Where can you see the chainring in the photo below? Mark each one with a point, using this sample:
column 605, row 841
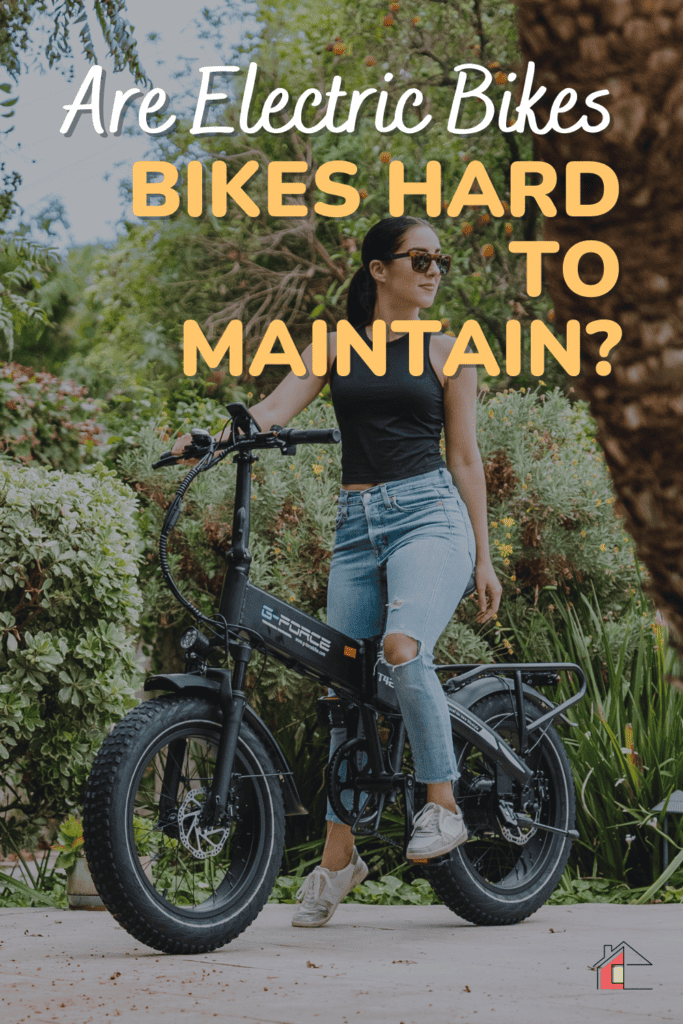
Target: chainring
column 348, row 762
column 201, row 841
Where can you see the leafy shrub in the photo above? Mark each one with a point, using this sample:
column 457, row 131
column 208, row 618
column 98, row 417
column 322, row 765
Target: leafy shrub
column 387, row 891
column 69, row 603
column 47, row 420
column 552, row 520
column 605, row 890
column 70, row 845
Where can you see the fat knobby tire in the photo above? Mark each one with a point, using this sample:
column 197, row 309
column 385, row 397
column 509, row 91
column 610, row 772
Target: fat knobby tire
column 454, row 879
column 120, row 881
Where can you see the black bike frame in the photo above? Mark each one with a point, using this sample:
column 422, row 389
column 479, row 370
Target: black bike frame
column 312, row 648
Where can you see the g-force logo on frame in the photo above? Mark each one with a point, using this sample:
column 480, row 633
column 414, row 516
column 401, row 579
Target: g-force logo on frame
column 290, row 628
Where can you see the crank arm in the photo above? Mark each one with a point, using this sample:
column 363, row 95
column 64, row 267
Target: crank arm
column 569, row 833
column 378, row 815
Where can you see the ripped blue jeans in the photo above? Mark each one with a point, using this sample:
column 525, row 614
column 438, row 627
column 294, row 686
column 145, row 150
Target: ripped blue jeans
column 404, row 553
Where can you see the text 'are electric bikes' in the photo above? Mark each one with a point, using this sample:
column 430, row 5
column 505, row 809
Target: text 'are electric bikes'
column 185, row 805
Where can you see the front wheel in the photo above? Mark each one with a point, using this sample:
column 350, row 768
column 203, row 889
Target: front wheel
column 170, row 883
column 505, row 872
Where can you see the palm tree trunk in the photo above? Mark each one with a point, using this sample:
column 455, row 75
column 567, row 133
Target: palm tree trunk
column 634, row 48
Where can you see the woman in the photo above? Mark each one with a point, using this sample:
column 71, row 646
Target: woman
column 407, row 539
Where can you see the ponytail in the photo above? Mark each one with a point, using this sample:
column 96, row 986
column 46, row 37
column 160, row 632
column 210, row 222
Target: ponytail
column 360, row 298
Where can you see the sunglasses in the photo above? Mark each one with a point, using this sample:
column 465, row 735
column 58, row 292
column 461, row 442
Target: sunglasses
column 422, row 261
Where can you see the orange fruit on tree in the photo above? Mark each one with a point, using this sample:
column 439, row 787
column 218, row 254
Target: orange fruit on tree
column 330, row 47
column 467, row 229
column 494, row 64
column 385, row 157
column 339, row 49
column 483, row 220
column 487, row 251
column 369, row 61
column 388, row 21
column 508, row 229
column 394, row 7
column 445, row 322
column 362, row 192
column 416, row 21
column 500, row 77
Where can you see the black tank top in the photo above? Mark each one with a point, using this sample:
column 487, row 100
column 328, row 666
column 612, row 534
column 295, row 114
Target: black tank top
column 391, row 425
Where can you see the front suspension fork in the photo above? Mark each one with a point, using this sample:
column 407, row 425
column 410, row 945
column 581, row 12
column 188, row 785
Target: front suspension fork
column 232, row 701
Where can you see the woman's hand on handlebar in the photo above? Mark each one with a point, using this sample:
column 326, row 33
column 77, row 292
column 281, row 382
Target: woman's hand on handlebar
column 183, row 442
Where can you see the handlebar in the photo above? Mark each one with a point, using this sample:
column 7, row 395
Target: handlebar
column 282, row 438
column 293, row 437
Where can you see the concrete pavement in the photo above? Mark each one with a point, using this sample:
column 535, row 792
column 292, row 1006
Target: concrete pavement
column 400, row 965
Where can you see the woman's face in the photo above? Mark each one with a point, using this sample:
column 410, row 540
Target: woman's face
column 397, row 279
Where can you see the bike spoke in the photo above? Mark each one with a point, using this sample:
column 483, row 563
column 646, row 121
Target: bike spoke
column 205, row 870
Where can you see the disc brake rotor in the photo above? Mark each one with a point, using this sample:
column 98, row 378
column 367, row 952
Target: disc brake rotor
column 201, row 841
column 517, row 834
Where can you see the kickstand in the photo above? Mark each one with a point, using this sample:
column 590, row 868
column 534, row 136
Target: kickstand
column 409, row 797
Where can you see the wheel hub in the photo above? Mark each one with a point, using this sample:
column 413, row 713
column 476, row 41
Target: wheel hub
column 201, row 841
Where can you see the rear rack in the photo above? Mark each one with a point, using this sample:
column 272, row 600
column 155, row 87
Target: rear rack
column 522, row 672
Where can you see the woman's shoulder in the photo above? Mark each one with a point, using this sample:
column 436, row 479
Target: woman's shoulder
column 442, row 342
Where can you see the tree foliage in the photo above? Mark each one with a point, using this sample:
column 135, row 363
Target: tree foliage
column 257, row 269
column 21, row 19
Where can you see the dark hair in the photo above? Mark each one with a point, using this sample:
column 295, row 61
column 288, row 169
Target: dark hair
column 383, row 239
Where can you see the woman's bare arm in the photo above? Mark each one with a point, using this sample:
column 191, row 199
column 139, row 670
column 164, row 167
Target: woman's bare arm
column 289, row 398
column 463, row 460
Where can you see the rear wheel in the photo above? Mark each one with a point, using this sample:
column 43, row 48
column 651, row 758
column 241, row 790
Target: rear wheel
column 506, row 872
column 170, row 883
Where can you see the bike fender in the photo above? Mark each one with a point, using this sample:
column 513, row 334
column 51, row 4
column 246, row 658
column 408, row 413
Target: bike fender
column 209, row 687
column 471, row 693
column 466, row 724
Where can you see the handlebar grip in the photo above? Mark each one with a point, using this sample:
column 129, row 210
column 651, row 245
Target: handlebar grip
column 165, row 459
column 311, row 436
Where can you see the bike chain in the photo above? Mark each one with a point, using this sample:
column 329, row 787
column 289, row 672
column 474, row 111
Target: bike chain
column 380, row 835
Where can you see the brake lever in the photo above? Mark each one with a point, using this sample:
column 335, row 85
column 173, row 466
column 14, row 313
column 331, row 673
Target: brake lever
column 169, row 459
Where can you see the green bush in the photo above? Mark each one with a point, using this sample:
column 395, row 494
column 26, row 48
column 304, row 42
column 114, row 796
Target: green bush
column 69, row 608
column 47, row 420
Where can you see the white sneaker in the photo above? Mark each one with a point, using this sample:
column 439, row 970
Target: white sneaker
column 323, row 891
column 435, row 831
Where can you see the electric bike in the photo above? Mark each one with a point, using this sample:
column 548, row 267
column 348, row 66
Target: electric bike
column 185, row 805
